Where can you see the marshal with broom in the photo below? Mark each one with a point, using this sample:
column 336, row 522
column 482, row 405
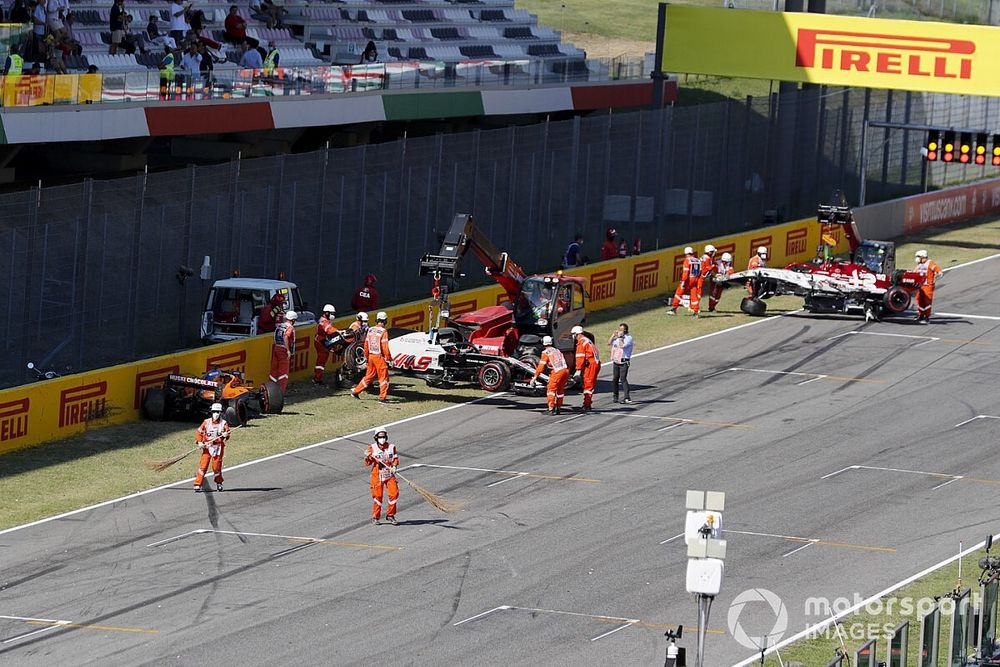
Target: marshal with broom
column 382, row 457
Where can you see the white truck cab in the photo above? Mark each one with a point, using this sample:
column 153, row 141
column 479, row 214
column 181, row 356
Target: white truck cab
column 233, row 307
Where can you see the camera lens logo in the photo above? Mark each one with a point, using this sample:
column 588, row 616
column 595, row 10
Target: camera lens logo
column 757, row 595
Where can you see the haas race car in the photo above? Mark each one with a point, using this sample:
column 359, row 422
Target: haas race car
column 184, row 396
column 867, row 282
column 496, row 347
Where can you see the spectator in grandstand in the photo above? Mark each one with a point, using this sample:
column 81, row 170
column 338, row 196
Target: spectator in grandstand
column 178, row 21
column 272, row 60
column 55, row 14
column 236, row 28
column 191, row 61
column 54, row 57
column 366, row 298
column 573, row 256
column 130, row 41
column 19, row 12
column 207, row 65
column 196, row 19
column 36, row 68
column 15, row 63
column 268, row 11
column 167, row 77
column 37, row 27
column 251, row 57
column 69, row 34
column 116, row 24
column 91, row 69
column 370, row 54
column 153, row 38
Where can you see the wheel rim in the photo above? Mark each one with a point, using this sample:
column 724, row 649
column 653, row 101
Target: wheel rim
column 491, row 376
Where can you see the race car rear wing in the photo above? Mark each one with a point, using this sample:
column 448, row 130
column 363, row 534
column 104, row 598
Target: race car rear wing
column 829, row 214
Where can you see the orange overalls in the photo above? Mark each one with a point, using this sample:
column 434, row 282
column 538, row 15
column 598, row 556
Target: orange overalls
column 556, row 390
column 707, row 271
column 723, row 269
column 212, row 436
column 589, row 364
column 380, row 459
column 689, row 283
column 324, row 330
column 756, row 262
column 281, row 353
column 377, row 353
column 925, row 295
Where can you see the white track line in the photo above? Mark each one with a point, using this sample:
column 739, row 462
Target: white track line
column 822, row 625
column 611, row 632
column 834, row 474
column 485, row 613
column 798, row 549
column 671, row 539
column 970, row 317
column 910, row 472
column 875, row 333
column 975, row 418
column 408, row 419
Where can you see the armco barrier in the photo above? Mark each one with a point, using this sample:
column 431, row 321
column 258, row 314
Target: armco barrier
column 55, row 409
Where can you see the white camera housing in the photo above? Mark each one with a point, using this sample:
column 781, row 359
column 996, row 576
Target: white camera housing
column 704, row 576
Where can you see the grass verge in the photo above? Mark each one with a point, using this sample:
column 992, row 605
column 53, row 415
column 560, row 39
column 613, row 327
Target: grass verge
column 879, row 618
column 107, row 462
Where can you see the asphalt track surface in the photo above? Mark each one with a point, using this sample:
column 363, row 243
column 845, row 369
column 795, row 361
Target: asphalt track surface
column 846, row 450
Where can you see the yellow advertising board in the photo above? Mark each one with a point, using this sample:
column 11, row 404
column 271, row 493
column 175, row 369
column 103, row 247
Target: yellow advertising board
column 833, row 50
column 55, row 409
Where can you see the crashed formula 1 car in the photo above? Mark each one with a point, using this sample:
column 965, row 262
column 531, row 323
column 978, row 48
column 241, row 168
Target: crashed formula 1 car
column 185, row 396
column 496, row 347
column 866, row 283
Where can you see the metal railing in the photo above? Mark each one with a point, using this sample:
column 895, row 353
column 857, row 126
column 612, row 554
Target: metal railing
column 27, row 90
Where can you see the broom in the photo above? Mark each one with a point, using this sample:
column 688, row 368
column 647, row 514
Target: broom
column 446, row 506
column 160, row 466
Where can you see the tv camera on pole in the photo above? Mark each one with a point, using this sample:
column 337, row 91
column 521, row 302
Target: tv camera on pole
column 706, row 555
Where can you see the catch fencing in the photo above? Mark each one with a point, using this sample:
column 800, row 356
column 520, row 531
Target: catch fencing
column 92, row 268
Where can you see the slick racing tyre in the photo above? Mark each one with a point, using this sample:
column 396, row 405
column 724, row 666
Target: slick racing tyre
column 236, row 414
column 494, row 376
column 155, row 404
column 355, row 364
column 271, row 398
column 753, row 307
column 896, row 300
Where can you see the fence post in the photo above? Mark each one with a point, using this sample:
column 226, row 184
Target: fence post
column 80, row 301
column 322, row 215
column 134, row 260
column 904, row 162
column 886, row 136
column 574, row 167
column 185, row 256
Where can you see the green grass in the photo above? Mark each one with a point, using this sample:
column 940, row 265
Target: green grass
column 820, row 650
column 78, row 468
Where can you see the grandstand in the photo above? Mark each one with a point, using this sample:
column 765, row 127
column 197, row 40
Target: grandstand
column 324, row 33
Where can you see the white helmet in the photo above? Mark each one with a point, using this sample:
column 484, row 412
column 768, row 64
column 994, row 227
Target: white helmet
column 363, row 317
column 726, row 257
column 381, row 435
column 382, row 316
column 762, row 250
column 216, row 408
column 709, row 249
column 328, row 308
column 921, row 254
column 291, row 316
column 546, row 340
column 576, row 330
column 689, row 250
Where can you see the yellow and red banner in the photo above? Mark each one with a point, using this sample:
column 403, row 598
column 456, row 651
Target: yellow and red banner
column 833, row 50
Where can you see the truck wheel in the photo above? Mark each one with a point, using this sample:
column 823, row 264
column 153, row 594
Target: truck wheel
column 494, row 376
column 154, row 406
column 272, row 399
column 753, row 307
column 896, row 300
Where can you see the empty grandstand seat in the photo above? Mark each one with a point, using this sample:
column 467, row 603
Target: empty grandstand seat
column 419, row 15
column 518, row 32
column 544, row 50
column 478, row 51
column 75, row 62
column 446, row 34
column 390, row 35
column 417, row 53
column 492, row 15
column 396, row 53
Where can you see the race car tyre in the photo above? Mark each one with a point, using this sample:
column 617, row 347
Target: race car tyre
column 236, row 414
column 355, row 364
column 494, row 377
column 273, row 401
column 530, row 360
column 753, row 307
column 154, row 406
column 896, row 300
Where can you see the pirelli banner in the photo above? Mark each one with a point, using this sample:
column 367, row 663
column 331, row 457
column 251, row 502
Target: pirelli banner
column 56, row 409
column 832, row 50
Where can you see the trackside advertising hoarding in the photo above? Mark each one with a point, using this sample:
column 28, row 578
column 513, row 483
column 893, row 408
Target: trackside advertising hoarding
column 833, row 50
column 55, row 409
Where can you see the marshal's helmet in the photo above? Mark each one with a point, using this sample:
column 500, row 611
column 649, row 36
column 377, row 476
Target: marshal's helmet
column 546, row 340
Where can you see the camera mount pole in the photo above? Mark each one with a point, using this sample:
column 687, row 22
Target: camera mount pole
column 704, row 607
